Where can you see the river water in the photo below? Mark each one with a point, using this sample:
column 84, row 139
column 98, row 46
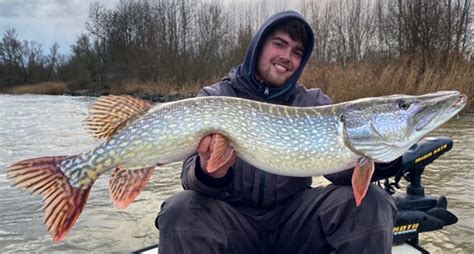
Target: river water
column 40, row 125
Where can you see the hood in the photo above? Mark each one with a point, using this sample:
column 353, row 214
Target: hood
column 246, row 70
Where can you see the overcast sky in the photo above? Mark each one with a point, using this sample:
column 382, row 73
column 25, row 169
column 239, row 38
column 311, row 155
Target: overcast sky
column 47, row 21
column 61, row 21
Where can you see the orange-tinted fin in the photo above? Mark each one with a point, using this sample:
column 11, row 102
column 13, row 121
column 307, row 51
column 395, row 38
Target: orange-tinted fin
column 361, row 179
column 125, row 185
column 221, row 153
column 108, row 114
column 62, row 203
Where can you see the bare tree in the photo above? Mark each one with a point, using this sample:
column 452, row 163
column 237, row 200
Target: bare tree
column 426, row 27
column 188, row 40
column 52, row 62
column 13, row 58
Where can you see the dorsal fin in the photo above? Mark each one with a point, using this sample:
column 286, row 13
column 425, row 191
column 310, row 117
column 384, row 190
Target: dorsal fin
column 110, row 113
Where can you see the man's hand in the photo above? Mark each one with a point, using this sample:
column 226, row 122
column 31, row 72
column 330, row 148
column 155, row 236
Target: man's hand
column 205, row 150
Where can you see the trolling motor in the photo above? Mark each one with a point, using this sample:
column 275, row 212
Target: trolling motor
column 418, row 212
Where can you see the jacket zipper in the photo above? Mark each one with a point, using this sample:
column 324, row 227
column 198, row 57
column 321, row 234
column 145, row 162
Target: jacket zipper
column 261, row 189
column 261, row 185
column 267, row 91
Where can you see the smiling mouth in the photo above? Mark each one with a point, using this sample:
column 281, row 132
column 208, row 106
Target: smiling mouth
column 281, row 67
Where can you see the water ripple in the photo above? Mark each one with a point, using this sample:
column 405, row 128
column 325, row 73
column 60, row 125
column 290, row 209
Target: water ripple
column 32, row 126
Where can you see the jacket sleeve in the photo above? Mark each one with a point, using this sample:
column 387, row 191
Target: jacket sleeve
column 194, row 178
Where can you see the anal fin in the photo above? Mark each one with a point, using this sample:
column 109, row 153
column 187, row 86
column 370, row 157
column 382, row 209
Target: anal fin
column 125, row 185
column 361, row 179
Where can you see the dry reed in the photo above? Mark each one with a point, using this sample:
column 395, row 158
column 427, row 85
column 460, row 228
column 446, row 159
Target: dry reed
column 50, row 87
column 405, row 75
column 152, row 88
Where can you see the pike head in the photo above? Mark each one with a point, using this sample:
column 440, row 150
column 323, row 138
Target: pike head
column 383, row 128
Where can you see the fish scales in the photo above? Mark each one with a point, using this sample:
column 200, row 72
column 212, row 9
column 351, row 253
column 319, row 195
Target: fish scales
column 272, row 137
column 291, row 141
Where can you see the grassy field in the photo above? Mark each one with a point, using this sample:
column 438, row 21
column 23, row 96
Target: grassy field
column 409, row 75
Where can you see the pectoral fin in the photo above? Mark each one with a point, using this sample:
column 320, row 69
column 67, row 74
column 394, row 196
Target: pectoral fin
column 361, row 179
column 125, row 185
column 222, row 152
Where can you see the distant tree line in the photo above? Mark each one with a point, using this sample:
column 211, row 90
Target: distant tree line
column 351, row 30
column 24, row 62
column 189, row 41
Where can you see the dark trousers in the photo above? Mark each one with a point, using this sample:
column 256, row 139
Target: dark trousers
column 319, row 220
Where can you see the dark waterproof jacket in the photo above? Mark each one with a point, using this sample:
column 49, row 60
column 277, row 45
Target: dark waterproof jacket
column 245, row 185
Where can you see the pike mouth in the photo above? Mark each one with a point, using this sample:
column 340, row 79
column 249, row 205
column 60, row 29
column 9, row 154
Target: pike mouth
column 460, row 102
column 430, row 114
column 425, row 119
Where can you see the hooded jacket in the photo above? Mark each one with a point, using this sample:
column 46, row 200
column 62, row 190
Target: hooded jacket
column 245, row 185
column 246, row 71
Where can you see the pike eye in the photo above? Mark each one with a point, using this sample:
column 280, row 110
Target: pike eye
column 341, row 118
column 403, row 105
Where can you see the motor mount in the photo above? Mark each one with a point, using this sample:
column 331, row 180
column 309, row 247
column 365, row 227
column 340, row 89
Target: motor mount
column 418, row 212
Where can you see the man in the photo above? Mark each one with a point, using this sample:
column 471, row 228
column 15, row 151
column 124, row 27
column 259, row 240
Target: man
column 241, row 209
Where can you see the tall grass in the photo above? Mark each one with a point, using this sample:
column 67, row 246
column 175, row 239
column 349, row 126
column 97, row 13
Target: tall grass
column 153, row 88
column 405, row 75
column 51, row 87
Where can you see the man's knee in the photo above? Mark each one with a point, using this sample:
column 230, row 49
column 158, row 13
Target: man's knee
column 177, row 210
column 377, row 209
column 379, row 202
column 376, row 200
column 375, row 216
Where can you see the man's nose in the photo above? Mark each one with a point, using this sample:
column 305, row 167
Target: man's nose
column 286, row 54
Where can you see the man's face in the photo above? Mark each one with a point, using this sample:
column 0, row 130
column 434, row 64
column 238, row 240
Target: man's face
column 279, row 59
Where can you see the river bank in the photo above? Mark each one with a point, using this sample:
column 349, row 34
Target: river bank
column 141, row 90
column 404, row 75
column 61, row 88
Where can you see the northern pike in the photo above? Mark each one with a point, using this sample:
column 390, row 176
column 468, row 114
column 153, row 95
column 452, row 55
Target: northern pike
column 291, row 141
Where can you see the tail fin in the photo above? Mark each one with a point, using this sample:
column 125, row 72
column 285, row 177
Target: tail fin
column 62, row 202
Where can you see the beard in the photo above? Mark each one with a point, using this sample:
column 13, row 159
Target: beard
column 270, row 76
